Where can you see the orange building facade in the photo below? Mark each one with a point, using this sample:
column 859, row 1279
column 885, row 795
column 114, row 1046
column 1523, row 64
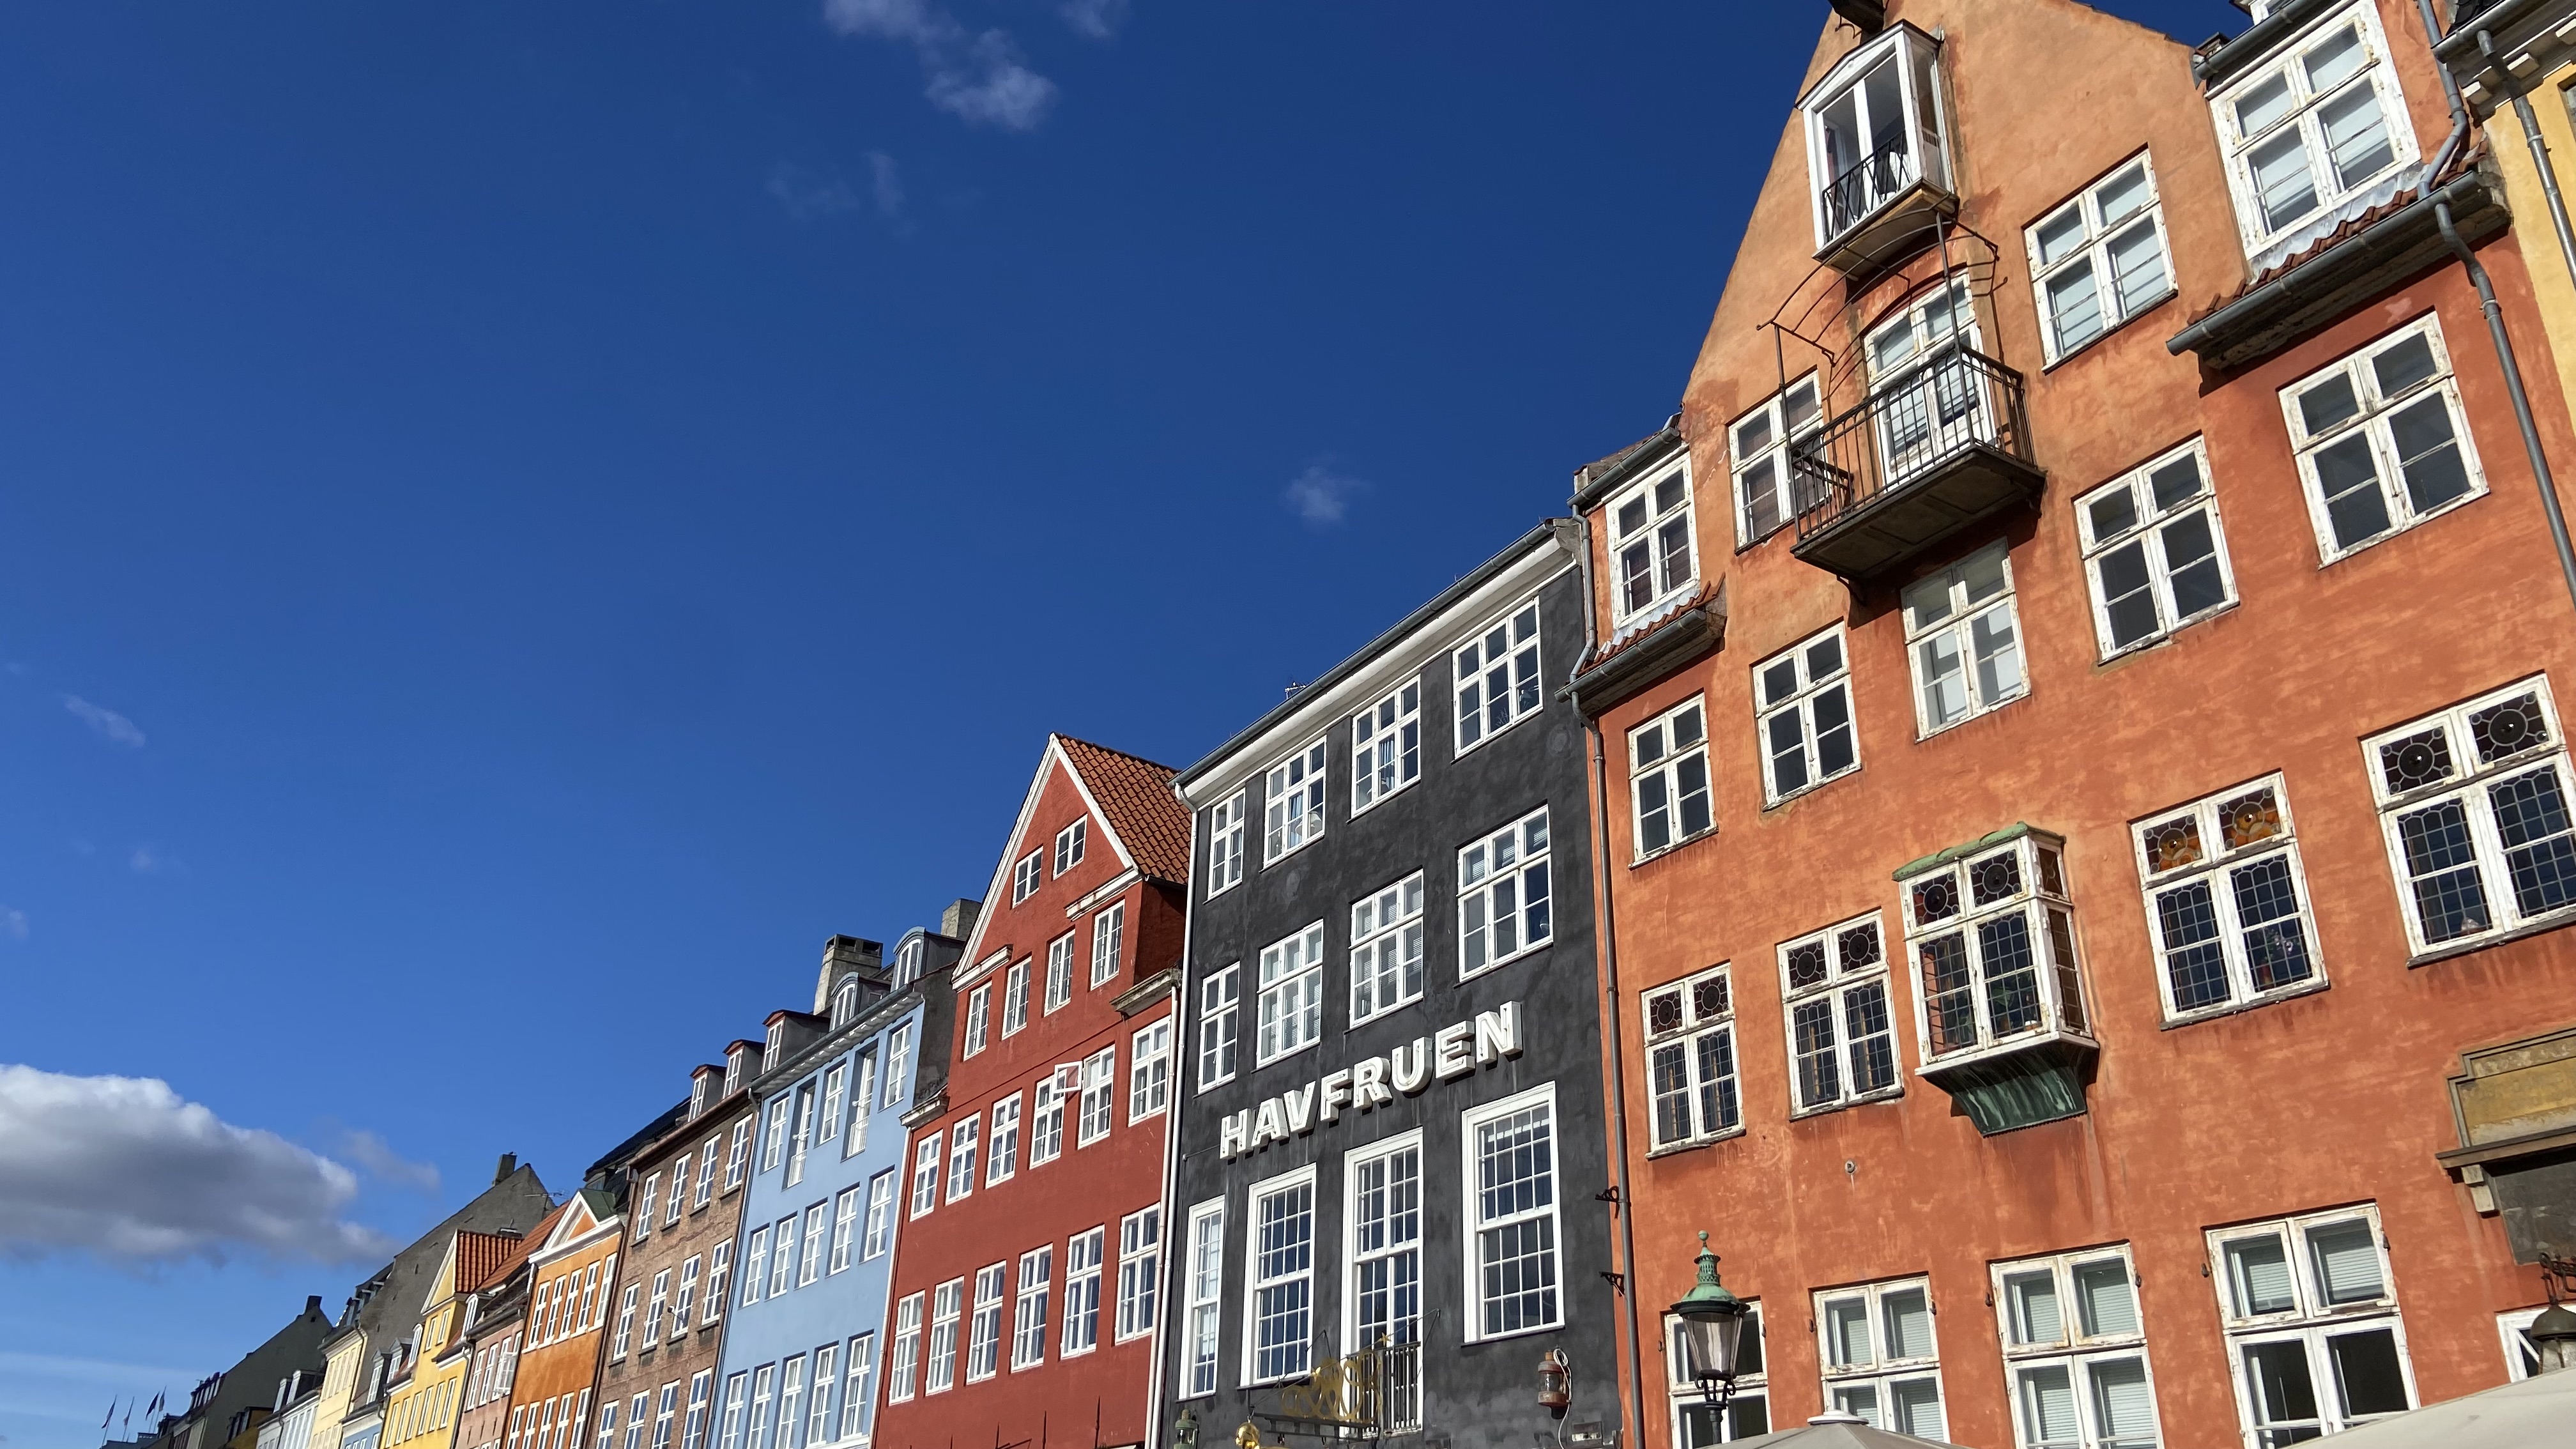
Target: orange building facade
column 573, row 1274
column 2085, row 826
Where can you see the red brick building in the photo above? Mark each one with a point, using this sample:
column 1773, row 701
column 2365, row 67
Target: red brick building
column 1030, row 1251
column 2086, row 836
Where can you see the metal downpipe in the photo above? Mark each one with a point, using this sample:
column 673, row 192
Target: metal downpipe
column 2539, row 157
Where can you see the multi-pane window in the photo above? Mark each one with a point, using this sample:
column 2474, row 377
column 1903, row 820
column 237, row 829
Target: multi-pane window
column 947, row 1308
column 1699, row 1423
column 979, row 1017
column 1015, row 996
column 2473, row 802
column 1514, row 1279
column 1928, row 400
column 836, row 1093
column 2381, row 440
column 963, row 1140
column 1993, row 944
column 773, row 1138
column 2227, row 901
column 898, row 1072
column 702, row 1387
column 1764, row 443
column 1003, row 1157
column 1027, row 876
column 1668, row 778
column 803, row 1136
column 1149, row 1071
column 907, row 1350
column 679, row 1192
column 1059, row 987
column 719, row 1281
column 1964, row 641
column 2076, row 1352
column 782, row 1259
column 818, row 1420
column 1292, row 796
column 925, row 1174
column 1503, row 895
column 1842, row 1040
column 1140, row 1266
column 817, row 1229
column 688, row 1296
column 653, row 1310
column 1803, row 697
column 1880, row 1359
column 2314, row 129
column 845, row 1227
column 1498, row 677
column 1225, row 844
column 2153, row 550
column 1046, row 1119
column 862, row 1360
column 1069, row 843
column 1099, row 1096
column 755, row 1266
column 626, row 1310
column 1280, row 1262
column 1690, row 1059
column 737, row 1154
column 880, row 1214
column 707, row 1173
column 1108, row 943
column 729, row 1425
column 1653, row 555
column 984, row 1335
column 1082, row 1268
column 760, row 1385
column 1220, row 1010
column 1386, row 949
column 908, row 960
column 1292, row 994
column 1029, row 1308
column 1386, row 746
column 1204, row 1285
column 791, row 1402
column 2100, row 260
column 2312, row 1326
column 1382, row 1295
column 650, row 1197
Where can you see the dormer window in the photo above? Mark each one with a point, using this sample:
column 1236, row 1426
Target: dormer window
column 2322, row 131
column 1653, row 556
column 845, row 1004
column 1876, row 151
column 907, row 962
column 697, row 1096
column 733, row 1069
column 777, row 1037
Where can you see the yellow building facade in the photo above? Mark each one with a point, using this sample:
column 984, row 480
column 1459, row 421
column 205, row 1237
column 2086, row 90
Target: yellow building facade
column 2515, row 64
column 421, row 1411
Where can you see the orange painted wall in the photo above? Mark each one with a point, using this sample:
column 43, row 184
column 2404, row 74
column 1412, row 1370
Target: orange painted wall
column 2330, row 1099
column 568, row 1361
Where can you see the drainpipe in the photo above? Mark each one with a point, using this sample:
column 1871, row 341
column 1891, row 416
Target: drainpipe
column 1608, row 930
column 2539, row 154
column 1167, row 1267
column 2540, row 474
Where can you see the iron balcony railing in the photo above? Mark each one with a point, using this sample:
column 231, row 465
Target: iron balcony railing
column 1866, row 185
column 1953, row 403
column 1400, row 1389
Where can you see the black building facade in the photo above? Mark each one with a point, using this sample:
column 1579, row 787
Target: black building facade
column 1391, row 1133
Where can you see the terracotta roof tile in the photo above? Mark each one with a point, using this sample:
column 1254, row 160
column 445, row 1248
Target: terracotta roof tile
column 509, row 1262
column 477, row 1254
column 2353, row 226
column 1136, row 796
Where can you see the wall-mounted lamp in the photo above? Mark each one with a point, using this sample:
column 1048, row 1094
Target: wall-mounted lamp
column 1712, row 1330
column 1555, row 1382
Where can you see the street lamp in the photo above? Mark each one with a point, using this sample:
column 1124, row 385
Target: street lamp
column 1712, row 1329
column 2553, row 1338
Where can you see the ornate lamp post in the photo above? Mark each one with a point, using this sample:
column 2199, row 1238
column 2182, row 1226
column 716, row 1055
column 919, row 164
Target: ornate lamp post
column 1712, row 1329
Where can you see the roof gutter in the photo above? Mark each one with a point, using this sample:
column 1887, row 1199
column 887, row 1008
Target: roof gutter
column 2256, row 41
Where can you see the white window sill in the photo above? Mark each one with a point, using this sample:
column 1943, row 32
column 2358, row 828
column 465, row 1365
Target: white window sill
column 1557, row 1327
column 2253, row 1003
column 1214, row 1083
column 1268, row 861
column 2477, row 490
column 1974, row 715
column 1359, row 810
column 2010, row 1046
column 1386, row 1011
column 2564, row 915
column 1499, row 962
column 1638, row 620
column 2155, row 642
column 1221, row 890
column 1289, row 1055
column 1686, row 840
column 2098, row 338
column 1774, row 802
column 1462, row 751
column 1827, row 1109
column 1675, row 1149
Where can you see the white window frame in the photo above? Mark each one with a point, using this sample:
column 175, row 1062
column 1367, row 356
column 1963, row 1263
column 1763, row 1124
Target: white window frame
column 1482, row 881
column 1059, row 980
column 803, row 1137
column 1149, row 1071
column 818, row 1412
column 2158, row 519
column 656, row 1306
column 1292, row 1358
column 1083, row 1269
column 1030, row 1292
column 719, row 1282
column 1291, row 1015
column 1070, row 843
column 817, row 1225
column 738, row 1153
column 773, row 1136
column 1957, row 626
column 706, row 1190
column 1220, row 1019
column 1108, row 943
column 1203, row 1294
column 880, row 1214
column 947, row 1312
column 1855, row 973
column 2078, row 1352
column 1099, row 1096
column 2332, row 192
column 1667, row 770
column 906, row 1355
column 979, row 1018
column 1880, row 1375
column 1363, row 1248
column 1686, row 1022
column 2373, row 424
column 1292, row 802
column 965, row 1138
column 1225, row 843
column 1387, row 946
column 2044, row 906
column 1762, row 445
column 755, row 1264
column 1002, row 1155
column 836, row 1101
column 1140, row 1269
column 1796, row 687
column 1499, row 675
column 687, row 1296
column 1027, row 875
column 2096, row 231
column 1475, row 1223
column 2219, row 847
column 925, row 1173
column 845, row 1227
column 898, row 1064
column 678, row 1205
column 1386, row 748
column 2310, row 1317
column 860, row 1364
column 625, row 1321
column 1919, row 101
column 1015, row 997
column 1650, row 533
column 1046, row 1121
column 2513, row 1331
column 782, row 1254
column 2469, row 789
column 984, row 1328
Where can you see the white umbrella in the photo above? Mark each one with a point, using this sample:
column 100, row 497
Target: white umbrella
column 1837, row 1431
column 2536, row 1412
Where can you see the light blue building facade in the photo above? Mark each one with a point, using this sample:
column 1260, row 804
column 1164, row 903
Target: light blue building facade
column 803, row 1340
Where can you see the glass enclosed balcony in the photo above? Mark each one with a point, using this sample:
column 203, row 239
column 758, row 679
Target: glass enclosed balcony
column 1878, row 153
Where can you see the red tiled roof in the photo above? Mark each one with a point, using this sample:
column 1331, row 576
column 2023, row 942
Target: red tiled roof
column 1136, row 796
column 509, row 1262
column 477, row 1254
column 2354, row 226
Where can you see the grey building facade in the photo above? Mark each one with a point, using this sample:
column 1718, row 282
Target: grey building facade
column 1387, row 1170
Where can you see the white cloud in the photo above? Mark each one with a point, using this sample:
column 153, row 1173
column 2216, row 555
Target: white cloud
column 128, row 1170
column 107, row 723
column 1322, row 496
column 380, row 1160
column 808, row 194
column 13, row 923
column 977, row 77
column 1098, row 19
column 888, row 184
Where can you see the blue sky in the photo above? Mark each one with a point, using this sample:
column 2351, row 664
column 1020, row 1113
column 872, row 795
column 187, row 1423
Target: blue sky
column 517, row 521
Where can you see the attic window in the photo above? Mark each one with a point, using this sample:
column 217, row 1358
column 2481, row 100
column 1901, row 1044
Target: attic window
column 1874, row 133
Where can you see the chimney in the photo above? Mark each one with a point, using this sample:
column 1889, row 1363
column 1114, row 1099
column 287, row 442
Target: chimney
column 958, row 921
column 312, row 1305
column 509, row 1164
column 841, row 956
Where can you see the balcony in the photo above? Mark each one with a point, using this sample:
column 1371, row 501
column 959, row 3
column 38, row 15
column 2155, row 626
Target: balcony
column 1938, row 450
column 1879, row 210
column 1878, row 154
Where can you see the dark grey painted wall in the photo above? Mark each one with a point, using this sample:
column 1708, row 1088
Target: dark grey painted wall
column 1477, row 1394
